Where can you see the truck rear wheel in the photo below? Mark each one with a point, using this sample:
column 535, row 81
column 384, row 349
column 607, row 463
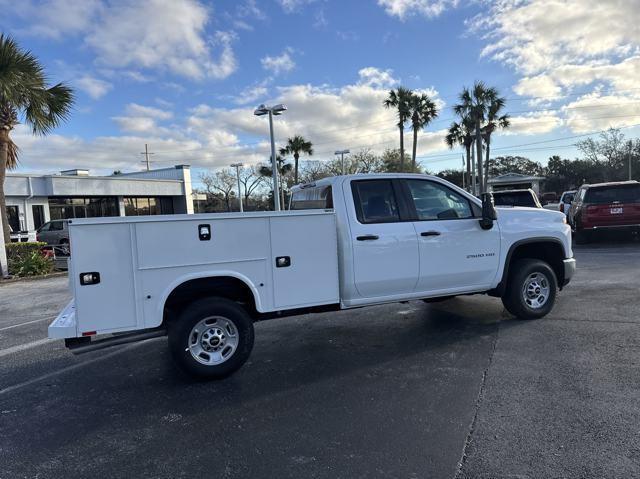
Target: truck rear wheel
column 212, row 338
column 531, row 289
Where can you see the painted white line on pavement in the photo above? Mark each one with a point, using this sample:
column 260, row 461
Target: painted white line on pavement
column 72, row 367
column 22, row 347
column 28, row 322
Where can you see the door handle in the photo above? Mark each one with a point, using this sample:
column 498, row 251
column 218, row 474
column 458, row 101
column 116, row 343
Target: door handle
column 367, row 238
column 430, row 233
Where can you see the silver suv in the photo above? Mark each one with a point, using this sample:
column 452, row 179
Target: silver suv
column 55, row 232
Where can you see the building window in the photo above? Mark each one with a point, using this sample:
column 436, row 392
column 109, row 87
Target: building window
column 38, row 216
column 66, row 208
column 148, row 206
column 13, row 217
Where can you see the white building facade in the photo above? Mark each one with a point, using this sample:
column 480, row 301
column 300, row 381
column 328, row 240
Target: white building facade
column 32, row 200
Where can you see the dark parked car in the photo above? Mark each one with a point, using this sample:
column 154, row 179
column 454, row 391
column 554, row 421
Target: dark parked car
column 55, row 232
column 516, row 198
column 605, row 206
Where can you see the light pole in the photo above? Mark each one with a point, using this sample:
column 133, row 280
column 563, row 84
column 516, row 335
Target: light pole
column 342, row 153
column 271, row 111
column 237, row 166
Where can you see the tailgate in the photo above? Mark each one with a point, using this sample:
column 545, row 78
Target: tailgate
column 613, row 214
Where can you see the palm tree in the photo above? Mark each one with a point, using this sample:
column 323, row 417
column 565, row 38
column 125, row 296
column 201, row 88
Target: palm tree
column 494, row 121
column 461, row 133
column 422, row 110
column 283, row 170
column 475, row 104
column 24, row 94
column 295, row 146
column 399, row 99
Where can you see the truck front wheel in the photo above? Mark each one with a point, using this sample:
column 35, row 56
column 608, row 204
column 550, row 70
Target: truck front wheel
column 212, row 338
column 531, row 289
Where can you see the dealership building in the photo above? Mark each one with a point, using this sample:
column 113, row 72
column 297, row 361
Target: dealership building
column 32, row 200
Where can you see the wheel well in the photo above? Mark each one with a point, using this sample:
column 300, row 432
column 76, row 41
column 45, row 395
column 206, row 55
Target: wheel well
column 221, row 286
column 548, row 251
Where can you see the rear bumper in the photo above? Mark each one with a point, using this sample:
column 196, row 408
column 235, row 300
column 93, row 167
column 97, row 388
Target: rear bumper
column 64, row 326
column 569, row 270
column 612, row 227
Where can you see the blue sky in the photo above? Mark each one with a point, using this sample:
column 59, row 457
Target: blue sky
column 184, row 76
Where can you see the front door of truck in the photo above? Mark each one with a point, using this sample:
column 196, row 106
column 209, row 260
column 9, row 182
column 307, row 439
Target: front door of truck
column 455, row 252
column 385, row 246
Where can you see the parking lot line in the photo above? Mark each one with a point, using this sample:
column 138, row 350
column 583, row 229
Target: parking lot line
column 71, row 368
column 23, row 324
column 22, row 347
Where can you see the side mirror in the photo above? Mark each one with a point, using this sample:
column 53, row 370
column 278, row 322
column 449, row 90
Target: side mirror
column 489, row 213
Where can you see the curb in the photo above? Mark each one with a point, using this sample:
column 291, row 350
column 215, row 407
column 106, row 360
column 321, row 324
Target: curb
column 4, row 281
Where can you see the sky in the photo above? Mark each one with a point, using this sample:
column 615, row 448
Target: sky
column 184, row 76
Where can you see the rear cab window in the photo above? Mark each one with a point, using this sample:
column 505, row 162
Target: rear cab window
column 312, row 198
column 523, row 198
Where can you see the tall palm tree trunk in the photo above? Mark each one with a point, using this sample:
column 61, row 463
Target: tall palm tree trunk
column 401, row 127
column 415, row 145
column 479, row 156
column 468, row 148
column 4, row 154
column 296, row 156
column 486, row 163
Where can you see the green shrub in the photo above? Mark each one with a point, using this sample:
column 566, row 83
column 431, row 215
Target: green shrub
column 27, row 259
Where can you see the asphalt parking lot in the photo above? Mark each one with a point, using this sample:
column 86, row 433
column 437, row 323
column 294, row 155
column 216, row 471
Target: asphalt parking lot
column 453, row 389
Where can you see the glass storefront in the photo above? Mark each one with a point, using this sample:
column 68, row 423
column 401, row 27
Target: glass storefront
column 139, row 206
column 66, row 208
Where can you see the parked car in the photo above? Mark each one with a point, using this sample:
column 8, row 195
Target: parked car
column 387, row 238
column 56, row 233
column 605, row 206
column 565, row 201
column 526, row 197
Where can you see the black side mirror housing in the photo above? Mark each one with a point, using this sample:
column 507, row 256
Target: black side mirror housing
column 489, row 213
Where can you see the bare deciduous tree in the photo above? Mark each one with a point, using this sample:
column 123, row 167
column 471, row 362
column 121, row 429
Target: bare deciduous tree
column 222, row 182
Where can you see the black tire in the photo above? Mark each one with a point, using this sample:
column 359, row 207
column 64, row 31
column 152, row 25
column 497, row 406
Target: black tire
column 180, row 337
column 514, row 298
column 582, row 236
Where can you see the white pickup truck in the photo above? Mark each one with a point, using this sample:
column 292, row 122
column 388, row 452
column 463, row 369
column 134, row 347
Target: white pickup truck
column 347, row 242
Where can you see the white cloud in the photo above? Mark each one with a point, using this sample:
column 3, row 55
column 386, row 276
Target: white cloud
column 351, row 116
column 282, row 63
column 53, row 18
column 561, row 49
column 251, row 94
column 598, row 112
column 536, row 123
column 94, row 87
column 409, row 8
column 290, row 6
column 143, row 119
column 376, row 78
column 125, row 34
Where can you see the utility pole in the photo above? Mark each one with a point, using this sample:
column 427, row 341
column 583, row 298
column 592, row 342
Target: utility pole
column 629, row 155
column 342, row 153
column 146, row 154
column 237, row 166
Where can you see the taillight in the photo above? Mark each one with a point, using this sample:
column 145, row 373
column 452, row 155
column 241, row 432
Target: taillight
column 561, row 207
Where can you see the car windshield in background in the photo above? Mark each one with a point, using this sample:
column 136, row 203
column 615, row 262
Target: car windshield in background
column 514, row 199
column 568, row 198
column 611, row 194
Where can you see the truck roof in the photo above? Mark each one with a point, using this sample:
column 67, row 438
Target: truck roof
column 330, row 180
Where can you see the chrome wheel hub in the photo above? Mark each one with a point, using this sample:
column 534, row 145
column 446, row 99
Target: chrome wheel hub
column 213, row 340
column 535, row 291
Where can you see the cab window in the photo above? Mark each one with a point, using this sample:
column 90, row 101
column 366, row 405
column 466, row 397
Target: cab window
column 434, row 201
column 312, row 198
column 375, row 201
